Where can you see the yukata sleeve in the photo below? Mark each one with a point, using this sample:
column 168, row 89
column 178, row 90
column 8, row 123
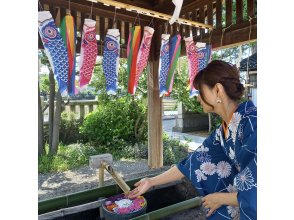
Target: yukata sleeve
column 246, row 180
column 208, row 167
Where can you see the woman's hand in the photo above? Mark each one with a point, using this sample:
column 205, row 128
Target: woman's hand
column 212, row 202
column 141, row 187
column 215, row 200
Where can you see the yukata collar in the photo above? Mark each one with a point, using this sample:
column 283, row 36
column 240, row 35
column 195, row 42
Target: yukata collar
column 244, row 105
column 239, row 109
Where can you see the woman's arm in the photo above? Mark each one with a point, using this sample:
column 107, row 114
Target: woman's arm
column 145, row 184
column 168, row 176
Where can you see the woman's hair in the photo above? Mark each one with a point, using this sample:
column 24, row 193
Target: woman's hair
column 221, row 72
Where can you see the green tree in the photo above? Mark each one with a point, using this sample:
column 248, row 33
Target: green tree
column 55, row 108
column 181, row 87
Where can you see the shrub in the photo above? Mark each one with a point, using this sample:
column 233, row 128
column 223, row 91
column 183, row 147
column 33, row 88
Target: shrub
column 120, row 119
column 67, row 157
column 173, row 150
column 69, row 128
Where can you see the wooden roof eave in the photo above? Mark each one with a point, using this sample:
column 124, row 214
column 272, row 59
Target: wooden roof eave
column 98, row 9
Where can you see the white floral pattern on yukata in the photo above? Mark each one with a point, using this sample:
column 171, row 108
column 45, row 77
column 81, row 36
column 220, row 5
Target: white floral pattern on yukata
column 228, row 164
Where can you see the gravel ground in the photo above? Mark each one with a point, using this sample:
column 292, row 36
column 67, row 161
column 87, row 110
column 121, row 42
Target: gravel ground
column 71, row 181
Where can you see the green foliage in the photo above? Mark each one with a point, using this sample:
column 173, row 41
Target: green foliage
column 67, row 157
column 44, row 79
column 181, row 88
column 69, row 128
column 173, row 150
column 77, row 155
column 216, row 121
column 44, row 83
column 98, row 83
column 118, row 119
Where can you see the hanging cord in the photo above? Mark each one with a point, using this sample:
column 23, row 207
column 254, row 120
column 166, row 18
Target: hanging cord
column 139, row 20
column 40, row 6
column 165, row 27
column 223, row 31
column 69, row 7
column 151, row 22
column 136, row 19
column 138, row 15
column 114, row 18
column 90, row 16
column 178, row 27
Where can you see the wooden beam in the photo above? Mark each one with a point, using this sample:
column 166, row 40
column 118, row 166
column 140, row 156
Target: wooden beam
column 98, row 9
column 235, row 35
column 153, row 13
column 194, row 5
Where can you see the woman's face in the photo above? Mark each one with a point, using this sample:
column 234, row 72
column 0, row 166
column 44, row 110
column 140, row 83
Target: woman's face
column 210, row 97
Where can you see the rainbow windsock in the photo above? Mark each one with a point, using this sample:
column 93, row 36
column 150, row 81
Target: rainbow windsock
column 174, row 54
column 163, row 64
column 68, row 34
column 132, row 53
column 111, row 60
column 88, row 52
column 192, row 63
column 55, row 49
column 143, row 54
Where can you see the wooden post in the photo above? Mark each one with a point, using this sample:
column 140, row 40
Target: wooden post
column 155, row 145
column 82, row 111
column 101, row 176
column 91, row 108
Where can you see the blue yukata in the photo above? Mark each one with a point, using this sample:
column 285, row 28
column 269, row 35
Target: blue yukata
column 228, row 164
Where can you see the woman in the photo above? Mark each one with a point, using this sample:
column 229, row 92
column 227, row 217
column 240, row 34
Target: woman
column 223, row 169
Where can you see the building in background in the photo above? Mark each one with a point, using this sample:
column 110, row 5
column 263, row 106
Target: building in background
column 252, row 74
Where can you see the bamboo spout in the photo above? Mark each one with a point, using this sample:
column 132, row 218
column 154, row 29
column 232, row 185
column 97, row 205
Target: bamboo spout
column 120, row 182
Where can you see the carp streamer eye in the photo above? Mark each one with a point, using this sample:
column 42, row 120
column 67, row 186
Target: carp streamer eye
column 192, row 48
column 201, row 55
column 166, row 48
column 90, row 36
column 110, row 45
column 50, row 32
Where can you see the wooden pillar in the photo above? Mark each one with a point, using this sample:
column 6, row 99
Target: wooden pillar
column 155, row 145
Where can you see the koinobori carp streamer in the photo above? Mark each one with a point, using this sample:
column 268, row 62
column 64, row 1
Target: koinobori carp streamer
column 111, row 60
column 55, row 49
column 88, row 51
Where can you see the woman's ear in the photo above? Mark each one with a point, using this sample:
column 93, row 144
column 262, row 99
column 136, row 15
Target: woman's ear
column 219, row 89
